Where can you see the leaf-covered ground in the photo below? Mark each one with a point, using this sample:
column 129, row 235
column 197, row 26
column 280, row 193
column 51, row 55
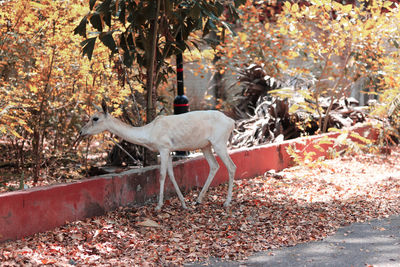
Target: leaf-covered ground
column 297, row 205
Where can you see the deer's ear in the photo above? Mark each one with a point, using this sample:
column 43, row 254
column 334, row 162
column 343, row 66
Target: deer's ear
column 104, row 106
column 97, row 108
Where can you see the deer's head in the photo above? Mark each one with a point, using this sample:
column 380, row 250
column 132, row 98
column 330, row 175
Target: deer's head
column 97, row 123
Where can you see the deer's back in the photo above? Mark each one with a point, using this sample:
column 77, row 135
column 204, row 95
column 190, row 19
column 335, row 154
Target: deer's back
column 192, row 130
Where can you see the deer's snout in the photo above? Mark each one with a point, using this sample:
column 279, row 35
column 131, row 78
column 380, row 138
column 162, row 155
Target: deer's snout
column 82, row 132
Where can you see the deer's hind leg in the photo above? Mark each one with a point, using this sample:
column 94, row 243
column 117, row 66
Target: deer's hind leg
column 222, row 151
column 214, row 166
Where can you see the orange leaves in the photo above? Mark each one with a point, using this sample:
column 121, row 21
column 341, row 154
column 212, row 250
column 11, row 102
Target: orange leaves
column 319, row 32
column 291, row 8
column 33, row 88
column 242, row 36
column 43, row 77
column 48, row 261
column 346, row 8
column 292, row 54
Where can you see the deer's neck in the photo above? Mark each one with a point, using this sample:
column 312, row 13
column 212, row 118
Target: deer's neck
column 135, row 135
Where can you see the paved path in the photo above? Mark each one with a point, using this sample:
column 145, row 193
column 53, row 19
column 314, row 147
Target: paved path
column 375, row 243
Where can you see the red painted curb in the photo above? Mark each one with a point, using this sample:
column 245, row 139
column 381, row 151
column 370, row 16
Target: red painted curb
column 27, row 212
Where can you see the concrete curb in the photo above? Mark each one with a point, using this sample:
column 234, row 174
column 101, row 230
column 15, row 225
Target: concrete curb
column 23, row 213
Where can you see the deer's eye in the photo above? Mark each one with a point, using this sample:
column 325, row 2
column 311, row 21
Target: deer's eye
column 95, row 119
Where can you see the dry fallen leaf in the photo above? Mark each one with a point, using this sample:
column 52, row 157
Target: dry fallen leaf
column 148, row 223
column 308, row 203
column 60, row 237
column 48, row 261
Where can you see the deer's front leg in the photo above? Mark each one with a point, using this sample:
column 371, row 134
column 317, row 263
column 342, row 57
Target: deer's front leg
column 163, row 173
column 171, row 176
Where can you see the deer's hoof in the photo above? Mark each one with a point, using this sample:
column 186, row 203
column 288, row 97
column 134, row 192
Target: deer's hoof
column 227, row 204
column 158, row 208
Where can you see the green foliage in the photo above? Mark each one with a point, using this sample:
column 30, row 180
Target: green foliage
column 347, row 142
column 126, row 27
column 309, row 152
column 300, row 156
column 329, row 45
column 148, row 33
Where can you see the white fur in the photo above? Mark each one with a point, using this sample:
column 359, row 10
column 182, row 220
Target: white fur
column 189, row 131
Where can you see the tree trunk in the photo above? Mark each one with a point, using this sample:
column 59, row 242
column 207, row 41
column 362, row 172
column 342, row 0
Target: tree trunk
column 150, row 157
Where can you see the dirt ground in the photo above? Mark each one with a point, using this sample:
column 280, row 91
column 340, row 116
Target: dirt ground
column 298, row 205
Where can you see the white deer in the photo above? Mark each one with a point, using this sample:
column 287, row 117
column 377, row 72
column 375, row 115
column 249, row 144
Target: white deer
column 184, row 132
